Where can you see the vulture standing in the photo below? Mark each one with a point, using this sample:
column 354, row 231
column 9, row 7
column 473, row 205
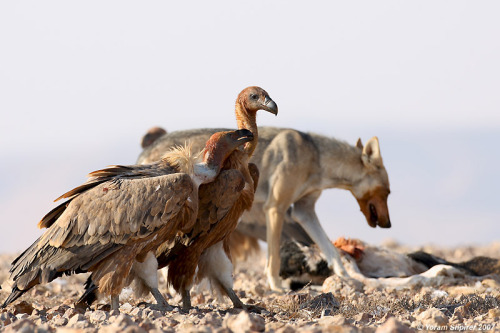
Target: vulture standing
column 113, row 224
column 205, row 245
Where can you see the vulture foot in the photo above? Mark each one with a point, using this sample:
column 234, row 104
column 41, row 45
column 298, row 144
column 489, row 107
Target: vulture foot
column 157, row 307
column 162, row 304
column 254, row 308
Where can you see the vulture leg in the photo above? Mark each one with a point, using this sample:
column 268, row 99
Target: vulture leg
column 217, row 267
column 162, row 302
column 186, row 299
column 237, row 303
column 115, row 302
column 147, row 272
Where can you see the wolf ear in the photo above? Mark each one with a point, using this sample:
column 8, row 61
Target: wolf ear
column 359, row 144
column 371, row 153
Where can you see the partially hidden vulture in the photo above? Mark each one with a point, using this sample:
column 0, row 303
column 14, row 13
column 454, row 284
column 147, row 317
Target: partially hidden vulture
column 205, row 246
column 113, row 224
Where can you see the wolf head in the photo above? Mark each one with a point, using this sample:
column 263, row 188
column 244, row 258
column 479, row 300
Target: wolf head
column 372, row 190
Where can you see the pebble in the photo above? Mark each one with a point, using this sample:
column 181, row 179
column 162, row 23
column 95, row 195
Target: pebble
column 23, row 307
column 245, row 322
column 22, row 326
column 432, row 317
column 70, row 313
column 286, row 329
column 22, row 316
column 126, row 307
column 393, row 326
column 494, row 314
column 137, row 312
column 98, row 316
column 147, row 325
column 6, row 318
column 155, row 314
column 78, row 321
column 346, row 310
column 363, row 317
column 59, row 320
column 337, row 320
column 122, row 320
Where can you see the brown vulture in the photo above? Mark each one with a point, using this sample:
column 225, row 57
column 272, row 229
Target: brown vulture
column 113, row 224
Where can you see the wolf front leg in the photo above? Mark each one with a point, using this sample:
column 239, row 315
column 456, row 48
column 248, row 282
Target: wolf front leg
column 274, row 227
column 303, row 212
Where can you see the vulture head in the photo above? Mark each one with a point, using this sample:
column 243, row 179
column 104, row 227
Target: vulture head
column 221, row 145
column 253, row 99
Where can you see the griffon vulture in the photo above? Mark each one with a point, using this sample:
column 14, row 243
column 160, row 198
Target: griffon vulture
column 206, row 247
column 113, row 224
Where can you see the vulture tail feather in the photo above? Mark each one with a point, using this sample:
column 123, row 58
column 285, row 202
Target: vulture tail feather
column 15, row 294
column 90, row 294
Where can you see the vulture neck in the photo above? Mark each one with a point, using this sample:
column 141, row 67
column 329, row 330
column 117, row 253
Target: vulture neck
column 246, row 119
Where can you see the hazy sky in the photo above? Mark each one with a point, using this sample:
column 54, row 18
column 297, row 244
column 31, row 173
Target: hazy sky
column 80, row 83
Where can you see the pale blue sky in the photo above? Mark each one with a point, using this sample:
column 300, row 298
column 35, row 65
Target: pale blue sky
column 80, row 82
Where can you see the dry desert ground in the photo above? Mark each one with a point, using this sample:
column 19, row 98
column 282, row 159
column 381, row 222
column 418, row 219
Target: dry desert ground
column 461, row 303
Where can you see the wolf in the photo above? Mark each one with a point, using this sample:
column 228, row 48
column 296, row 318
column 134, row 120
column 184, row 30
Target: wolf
column 295, row 167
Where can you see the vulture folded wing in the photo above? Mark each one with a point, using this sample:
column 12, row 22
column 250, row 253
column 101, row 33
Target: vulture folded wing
column 119, row 210
column 215, row 201
column 99, row 222
column 101, row 176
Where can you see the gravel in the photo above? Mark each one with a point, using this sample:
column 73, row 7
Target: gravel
column 469, row 303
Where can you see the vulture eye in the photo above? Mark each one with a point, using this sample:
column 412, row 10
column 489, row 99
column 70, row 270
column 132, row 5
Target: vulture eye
column 254, row 97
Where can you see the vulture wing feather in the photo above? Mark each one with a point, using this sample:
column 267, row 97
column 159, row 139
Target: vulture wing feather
column 68, row 247
column 216, row 200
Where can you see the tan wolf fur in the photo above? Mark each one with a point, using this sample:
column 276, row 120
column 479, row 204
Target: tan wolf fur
column 295, row 167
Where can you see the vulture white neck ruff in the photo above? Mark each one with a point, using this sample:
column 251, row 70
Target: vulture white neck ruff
column 203, row 174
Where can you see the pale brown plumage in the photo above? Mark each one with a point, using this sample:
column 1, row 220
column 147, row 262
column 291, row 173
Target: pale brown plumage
column 120, row 215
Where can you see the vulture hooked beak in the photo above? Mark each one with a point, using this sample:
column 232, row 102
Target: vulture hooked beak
column 270, row 105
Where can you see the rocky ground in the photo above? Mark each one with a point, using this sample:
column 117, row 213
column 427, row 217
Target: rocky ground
column 461, row 304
